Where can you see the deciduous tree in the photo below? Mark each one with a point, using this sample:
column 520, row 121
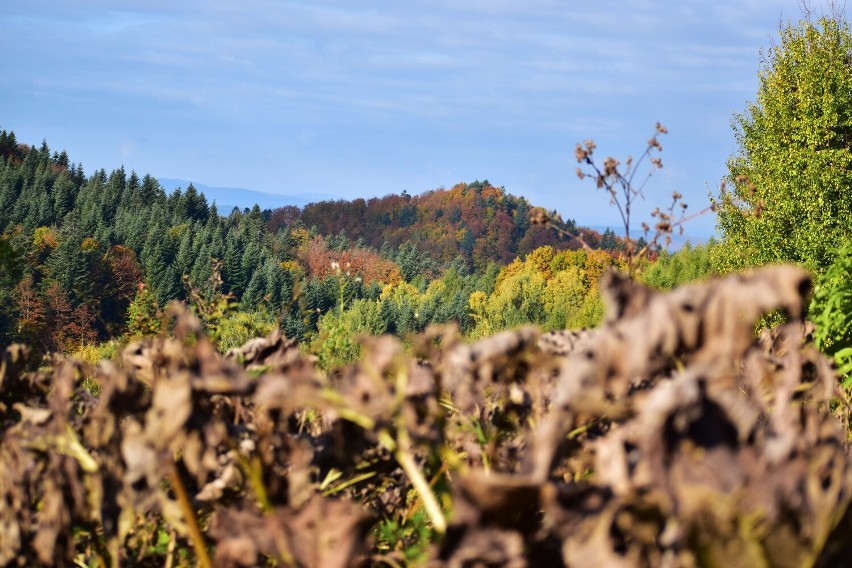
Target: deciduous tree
column 792, row 173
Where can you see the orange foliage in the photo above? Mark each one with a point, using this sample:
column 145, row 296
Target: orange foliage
column 320, row 262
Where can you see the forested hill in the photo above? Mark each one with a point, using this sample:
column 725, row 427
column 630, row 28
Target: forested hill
column 75, row 249
column 475, row 221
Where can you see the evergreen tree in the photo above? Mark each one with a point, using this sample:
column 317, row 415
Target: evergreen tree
column 609, row 241
column 233, row 271
column 70, row 265
column 160, row 276
column 255, row 291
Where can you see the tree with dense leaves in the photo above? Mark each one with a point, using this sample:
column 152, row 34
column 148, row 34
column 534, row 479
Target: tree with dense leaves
column 792, row 172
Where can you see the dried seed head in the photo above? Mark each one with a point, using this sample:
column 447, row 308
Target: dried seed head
column 610, row 166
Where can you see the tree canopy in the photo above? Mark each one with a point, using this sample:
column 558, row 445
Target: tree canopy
column 792, row 171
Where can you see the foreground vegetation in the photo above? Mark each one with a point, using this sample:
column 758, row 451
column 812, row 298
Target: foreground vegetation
column 690, row 447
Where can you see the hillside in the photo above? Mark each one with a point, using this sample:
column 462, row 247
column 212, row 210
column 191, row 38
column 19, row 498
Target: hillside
column 478, row 222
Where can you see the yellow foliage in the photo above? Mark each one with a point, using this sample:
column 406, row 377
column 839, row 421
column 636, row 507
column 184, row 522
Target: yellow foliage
column 89, row 244
column 436, row 289
column 45, row 237
column 398, row 291
column 291, row 266
column 511, row 269
column 300, row 236
column 565, row 288
column 177, row 231
column 597, row 262
column 94, row 354
column 540, row 259
column 477, row 302
column 393, row 276
column 566, row 259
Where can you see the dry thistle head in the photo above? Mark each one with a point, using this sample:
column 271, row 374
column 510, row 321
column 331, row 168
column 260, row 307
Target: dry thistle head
column 745, row 180
column 610, row 166
column 661, row 129
column 658, row 163
column 584, row 153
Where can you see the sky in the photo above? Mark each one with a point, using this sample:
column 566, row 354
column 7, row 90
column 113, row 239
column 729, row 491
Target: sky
column 359, row 98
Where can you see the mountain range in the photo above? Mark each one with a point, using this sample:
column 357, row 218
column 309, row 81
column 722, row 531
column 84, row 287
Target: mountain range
column 227, row 198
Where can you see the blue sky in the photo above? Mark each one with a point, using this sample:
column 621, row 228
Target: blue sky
column 357, row 98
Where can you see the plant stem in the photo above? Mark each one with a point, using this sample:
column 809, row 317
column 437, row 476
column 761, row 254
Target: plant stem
column 195, row 535
column 430, row 503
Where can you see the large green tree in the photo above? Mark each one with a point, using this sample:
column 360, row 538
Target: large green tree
column 793, row 169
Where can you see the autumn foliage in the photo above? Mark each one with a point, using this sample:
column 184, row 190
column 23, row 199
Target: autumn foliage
column 357, row 262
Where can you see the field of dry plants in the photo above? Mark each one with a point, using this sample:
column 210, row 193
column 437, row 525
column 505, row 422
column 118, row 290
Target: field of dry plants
column 670, row 436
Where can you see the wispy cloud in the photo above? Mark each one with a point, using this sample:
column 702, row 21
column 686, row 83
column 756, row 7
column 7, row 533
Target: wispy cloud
column 307, row 77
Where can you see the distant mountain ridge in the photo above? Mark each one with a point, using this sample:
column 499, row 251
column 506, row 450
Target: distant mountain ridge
column 694, row 238
column 227, row 198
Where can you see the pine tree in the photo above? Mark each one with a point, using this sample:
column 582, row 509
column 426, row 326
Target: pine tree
column 233, row 272
column 160, row 276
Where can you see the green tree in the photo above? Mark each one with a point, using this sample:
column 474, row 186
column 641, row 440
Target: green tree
column 688, row 264
column 793, row 168
column 831, row 311
column 11, row 270
column 609, row 240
